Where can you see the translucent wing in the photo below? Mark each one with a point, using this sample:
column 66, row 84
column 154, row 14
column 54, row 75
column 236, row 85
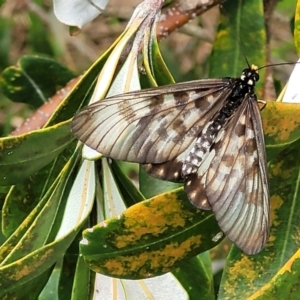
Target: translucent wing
column 153, row 125
column 233, row 180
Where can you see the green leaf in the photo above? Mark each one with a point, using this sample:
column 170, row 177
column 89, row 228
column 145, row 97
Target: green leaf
column 50, row 288
column 22, row 156
column 130, row 193
column 29, row 267
column 281, row 126
column 241, row 35
column 195, row 278
column 26, row 251
column 34, row 79
column 41, row 219
column 39, row 37
column 83, row 281
column 151, row 186
column 157, row 71
column 32, row 287
column 284, row 282
column 24, row 197
column 297, row 28
column 150, row 238
column 74, row 274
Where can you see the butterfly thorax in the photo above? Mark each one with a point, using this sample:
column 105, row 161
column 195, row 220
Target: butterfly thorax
column 211, row 132
column 246, row 83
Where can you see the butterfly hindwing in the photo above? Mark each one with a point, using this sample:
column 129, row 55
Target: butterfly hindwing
column 234, row 183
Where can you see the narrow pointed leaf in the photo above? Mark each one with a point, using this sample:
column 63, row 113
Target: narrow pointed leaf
column 195, row 278
column 22, row 156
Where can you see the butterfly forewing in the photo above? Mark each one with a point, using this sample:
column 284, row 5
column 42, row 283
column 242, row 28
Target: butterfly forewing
column 150, row 126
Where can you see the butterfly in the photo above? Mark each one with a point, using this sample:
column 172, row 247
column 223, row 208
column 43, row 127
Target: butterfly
column 206, row 133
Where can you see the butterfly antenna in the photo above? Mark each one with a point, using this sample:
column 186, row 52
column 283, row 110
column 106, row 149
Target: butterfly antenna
column 247, row 62
column 278, row 64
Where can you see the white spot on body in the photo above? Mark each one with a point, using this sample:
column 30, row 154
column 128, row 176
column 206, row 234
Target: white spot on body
column 199, row 152
column 188, row 159
column 205, row 144
column 196, row 161
column 189, row 170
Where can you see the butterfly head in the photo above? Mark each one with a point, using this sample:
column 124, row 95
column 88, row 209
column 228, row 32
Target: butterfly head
column 250, row 75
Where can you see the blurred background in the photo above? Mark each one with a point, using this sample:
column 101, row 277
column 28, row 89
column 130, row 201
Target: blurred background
column 30, row 27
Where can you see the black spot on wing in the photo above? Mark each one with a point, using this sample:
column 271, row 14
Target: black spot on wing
column 240, row 129
column 250, row 146
column 180, row 128
column 156, row 102
column 181, row 97
column 126, row 110
column 177, row 123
